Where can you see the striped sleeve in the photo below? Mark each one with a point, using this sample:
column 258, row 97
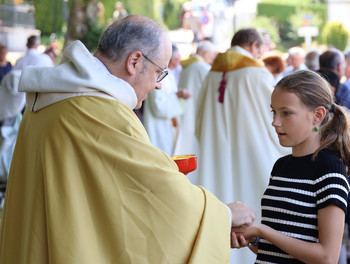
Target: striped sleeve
column 332, row 188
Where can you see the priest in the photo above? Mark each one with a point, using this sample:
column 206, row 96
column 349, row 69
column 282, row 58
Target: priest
column 86, row 185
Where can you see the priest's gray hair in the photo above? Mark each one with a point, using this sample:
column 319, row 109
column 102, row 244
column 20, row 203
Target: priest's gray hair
column 133, row 33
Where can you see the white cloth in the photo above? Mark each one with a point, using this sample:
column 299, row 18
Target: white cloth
column 192, row 78
column 33, row 58
column 8, row 136
column 238, row 145
column 78, row 74
column 12, row 101
column 159, row 108
column 177, row 73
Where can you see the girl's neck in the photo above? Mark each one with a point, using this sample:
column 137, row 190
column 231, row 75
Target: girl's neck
column 307, row 148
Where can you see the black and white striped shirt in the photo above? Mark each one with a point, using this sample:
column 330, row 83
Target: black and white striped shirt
column 298, row 188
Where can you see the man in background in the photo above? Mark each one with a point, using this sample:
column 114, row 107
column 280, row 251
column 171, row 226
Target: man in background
column 295, row 60
column 192, row 77
column 333, row 60
column 162, row 109
column 33, row 57
column 312, row 59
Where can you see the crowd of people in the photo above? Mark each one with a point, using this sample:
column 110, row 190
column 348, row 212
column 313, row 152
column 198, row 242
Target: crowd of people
column 88, row 172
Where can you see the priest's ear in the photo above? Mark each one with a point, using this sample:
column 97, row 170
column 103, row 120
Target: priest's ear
column 255, row 49
column 134, row 63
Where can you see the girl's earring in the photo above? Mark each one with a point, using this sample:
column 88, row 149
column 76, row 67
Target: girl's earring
column 315, row 129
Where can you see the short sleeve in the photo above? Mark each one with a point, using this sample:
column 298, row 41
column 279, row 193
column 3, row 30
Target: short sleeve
column 332, row 186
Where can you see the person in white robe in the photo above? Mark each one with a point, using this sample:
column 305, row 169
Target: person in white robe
column 238, row 145
column 162, row 107
column 12, row 103
column 192, row 77
column 33, row 57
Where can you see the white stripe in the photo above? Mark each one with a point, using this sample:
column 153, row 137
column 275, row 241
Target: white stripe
column 288, row 189
column 280, row 210
column 289, row 223
column 337, row 186
column 293, row 180
column 264, row 262
column 289, row 200
column 299, row 236
column 333, row 196
column 281, row 255
column 329, row 175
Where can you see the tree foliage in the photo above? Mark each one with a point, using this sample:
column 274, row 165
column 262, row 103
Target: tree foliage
column 267, row 25
column 290, row 15
column 335, row 35
column 48, row 16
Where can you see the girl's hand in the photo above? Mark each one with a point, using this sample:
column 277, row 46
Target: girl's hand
column 254, row 231
column 242, row 236
column 238, row 240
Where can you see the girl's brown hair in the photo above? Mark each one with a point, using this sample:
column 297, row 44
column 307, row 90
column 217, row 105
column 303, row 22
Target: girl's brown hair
column 314, row 91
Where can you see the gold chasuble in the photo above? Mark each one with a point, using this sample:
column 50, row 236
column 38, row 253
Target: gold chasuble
column 95, row 190
column 192, row 59
column 86, row 186
column 232, row 60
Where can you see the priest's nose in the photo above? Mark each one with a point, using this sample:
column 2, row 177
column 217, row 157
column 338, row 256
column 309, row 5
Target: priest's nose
column 158, row 85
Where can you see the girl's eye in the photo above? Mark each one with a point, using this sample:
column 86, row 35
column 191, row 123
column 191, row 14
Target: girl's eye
column 286, row 113
column 273, row 111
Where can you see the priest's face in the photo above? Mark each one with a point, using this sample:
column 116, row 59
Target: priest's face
column 147, row 80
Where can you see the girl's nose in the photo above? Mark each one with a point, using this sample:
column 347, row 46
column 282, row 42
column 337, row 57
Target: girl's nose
column 276, row 122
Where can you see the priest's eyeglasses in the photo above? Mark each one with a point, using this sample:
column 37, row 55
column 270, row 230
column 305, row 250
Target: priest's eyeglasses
column 161, row 75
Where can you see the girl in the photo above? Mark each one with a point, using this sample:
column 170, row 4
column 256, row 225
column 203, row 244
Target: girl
column 303, row 208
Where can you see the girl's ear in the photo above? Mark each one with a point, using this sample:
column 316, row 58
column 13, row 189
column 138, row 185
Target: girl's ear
column 133, row 63
column 319, row 114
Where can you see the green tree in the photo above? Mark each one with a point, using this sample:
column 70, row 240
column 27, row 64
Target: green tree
column 172, row 13
column 289, row 12
column 304, row 17
column 335, row 35
column 48, row 16
column 82, row 21
column 267, row 25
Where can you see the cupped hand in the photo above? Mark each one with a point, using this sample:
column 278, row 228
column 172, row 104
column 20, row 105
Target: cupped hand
column 238, row 240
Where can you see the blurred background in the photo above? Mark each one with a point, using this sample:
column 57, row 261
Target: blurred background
column 284, row 23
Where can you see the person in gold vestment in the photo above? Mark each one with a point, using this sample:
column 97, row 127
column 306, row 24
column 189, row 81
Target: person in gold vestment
column 86, row 185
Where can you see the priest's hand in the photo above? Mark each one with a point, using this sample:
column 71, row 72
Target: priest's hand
column 242, row 215
column 242, row 218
